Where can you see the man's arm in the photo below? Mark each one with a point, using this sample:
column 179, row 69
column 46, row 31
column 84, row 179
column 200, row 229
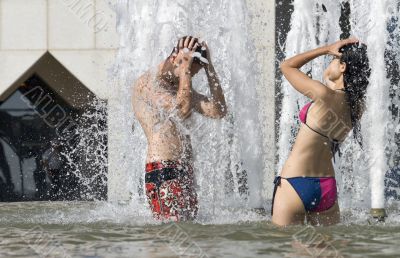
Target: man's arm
column 215, row 106
column 184, row 62
column 184, row 95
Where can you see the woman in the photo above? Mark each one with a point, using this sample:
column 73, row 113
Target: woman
column 306, row 188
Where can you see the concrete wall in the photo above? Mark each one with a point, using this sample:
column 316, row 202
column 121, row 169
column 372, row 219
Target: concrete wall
column 80, row 34
column 263, row 31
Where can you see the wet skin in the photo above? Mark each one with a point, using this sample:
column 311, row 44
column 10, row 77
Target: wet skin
column 311, row 155
column 163, row 102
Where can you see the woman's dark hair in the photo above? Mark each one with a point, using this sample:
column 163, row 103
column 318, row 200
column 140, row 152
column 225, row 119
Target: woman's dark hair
column 356, row 80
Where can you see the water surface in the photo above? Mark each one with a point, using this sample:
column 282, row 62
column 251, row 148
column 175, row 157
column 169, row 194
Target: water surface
column 109, row 230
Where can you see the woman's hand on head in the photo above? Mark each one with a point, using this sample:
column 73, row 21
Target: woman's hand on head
column 334, row 48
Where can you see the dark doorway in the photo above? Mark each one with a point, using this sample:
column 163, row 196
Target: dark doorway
column 42, row 141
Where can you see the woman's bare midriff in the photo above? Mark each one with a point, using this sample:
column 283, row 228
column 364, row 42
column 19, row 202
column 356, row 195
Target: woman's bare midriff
column 310, row 157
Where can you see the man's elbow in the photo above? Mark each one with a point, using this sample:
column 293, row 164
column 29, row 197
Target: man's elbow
column 184, row 112
column 219, row 113
column 223, row 112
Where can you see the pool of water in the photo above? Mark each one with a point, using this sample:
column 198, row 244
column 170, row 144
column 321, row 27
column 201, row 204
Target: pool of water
column 114, row 230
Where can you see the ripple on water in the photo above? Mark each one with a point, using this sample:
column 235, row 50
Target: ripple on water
column 118, row 230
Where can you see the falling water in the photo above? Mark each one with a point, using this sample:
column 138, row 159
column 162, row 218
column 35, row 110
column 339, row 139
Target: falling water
column 316, row 22
column 374, row 33
column 304, row 35
column 392, row 59
column 227, row 152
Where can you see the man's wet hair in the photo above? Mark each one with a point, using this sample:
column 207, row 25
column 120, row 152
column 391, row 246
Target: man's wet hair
column 199, row 49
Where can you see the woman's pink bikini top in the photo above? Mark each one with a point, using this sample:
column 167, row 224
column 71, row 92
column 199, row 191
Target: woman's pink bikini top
column 303, row 113
column 303, row 118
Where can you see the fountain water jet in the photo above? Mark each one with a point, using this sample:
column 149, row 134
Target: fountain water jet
column 228, row 152
column 375, row 36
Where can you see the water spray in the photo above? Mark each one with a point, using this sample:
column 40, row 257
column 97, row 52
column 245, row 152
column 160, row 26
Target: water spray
column 377, row 99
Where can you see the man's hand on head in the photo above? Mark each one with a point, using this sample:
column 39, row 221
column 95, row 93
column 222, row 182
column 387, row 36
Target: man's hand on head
column 184, row 59
column 204, row 47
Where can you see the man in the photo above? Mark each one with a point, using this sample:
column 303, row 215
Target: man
column 162, row 102
column 64, row 186
column 7, row 187
column 52, row 163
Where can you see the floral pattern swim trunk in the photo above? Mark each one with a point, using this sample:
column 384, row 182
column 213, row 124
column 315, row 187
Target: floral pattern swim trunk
column 170, row 190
